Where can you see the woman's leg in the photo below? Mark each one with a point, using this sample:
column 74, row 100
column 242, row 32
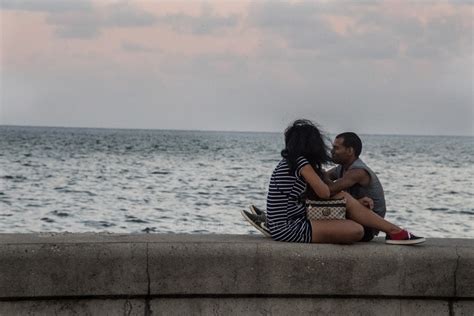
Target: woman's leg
column 336, row 231
column 364, row 216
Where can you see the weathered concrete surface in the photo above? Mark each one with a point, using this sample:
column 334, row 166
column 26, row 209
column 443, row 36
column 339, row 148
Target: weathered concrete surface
column 463, row 308
column 287, row 269
column 298, row 306
column 465, row 272
column 48, row 265
column 84, row 307
column 76, row 269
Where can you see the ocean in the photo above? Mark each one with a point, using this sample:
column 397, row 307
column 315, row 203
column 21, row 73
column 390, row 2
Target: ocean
column 159, row 181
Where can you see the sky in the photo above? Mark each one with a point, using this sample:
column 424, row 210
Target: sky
column 373, row 67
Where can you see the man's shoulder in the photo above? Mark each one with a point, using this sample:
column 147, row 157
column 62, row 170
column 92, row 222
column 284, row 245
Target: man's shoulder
column 360, row 171
column 360, row 164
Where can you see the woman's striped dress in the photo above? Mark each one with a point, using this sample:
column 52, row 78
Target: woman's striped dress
column 286, row 213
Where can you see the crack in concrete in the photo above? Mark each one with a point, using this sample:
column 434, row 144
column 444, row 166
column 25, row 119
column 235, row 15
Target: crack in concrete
column 127, row 308
column 456, row 272
column 147, row 301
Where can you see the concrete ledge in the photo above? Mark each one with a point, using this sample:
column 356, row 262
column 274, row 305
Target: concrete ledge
column 299, row 306
column 37, row 270
column 74, row 307
column 294, row 269
column 238, row 306
column 249, row 269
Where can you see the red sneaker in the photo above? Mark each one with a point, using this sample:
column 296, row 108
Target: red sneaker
column 403, row 237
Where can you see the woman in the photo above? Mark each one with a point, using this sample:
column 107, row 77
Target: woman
column 304, row 154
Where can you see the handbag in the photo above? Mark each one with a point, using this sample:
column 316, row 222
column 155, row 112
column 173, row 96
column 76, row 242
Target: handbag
column 326, row 209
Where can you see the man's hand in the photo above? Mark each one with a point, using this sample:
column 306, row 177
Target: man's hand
column 367, row 202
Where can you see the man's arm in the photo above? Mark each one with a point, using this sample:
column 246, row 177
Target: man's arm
column 350, row 178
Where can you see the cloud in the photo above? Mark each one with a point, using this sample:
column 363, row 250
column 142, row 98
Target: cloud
column 375, row 31
column 199, row 25
column 83, row 25
column 46, row 5
column 442, row 37
column 304, row 25
column 204, row 24
column 363, row 66
column 82, row 19
column 123, row 14
column 134, row 47
column 299, row 24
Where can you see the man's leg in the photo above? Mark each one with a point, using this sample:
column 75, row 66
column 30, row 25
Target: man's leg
column 368, row 234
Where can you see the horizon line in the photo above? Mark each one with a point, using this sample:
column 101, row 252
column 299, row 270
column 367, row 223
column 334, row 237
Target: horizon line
column 221, row 131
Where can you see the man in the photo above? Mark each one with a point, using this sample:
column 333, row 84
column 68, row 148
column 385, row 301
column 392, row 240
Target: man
column 351, row 175
column 355, row 177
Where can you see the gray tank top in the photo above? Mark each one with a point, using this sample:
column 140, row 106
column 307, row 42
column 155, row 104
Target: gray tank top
column 374, row 190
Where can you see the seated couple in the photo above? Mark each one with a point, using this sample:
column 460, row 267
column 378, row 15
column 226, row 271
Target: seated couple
column 299, row 175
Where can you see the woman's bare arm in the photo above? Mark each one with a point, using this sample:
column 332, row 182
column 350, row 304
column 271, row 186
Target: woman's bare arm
column 319, row 187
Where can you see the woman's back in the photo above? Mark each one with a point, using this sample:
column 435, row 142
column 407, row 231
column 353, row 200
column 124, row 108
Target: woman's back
column 286, row 217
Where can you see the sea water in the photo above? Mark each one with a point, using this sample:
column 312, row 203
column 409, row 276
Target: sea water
column 128, row 181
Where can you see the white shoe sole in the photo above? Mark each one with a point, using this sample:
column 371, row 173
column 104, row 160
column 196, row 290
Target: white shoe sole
column 405, row 242
column 260, row 229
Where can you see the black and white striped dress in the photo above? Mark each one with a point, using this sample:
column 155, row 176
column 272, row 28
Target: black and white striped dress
column 286, row 212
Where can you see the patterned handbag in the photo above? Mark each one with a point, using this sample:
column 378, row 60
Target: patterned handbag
column 326, row 209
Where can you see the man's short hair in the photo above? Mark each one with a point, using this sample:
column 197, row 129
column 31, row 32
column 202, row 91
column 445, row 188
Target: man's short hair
column 351, row 139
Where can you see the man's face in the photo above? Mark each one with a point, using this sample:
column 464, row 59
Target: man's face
column 340, row 153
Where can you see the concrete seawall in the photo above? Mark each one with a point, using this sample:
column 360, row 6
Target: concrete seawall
column 150, row 274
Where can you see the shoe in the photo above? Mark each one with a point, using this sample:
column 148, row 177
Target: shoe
column 257, row 221
column 403, row 237
column 255, row 210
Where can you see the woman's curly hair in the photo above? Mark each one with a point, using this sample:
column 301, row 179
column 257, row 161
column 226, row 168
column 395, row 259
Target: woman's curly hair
column 303, row 138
